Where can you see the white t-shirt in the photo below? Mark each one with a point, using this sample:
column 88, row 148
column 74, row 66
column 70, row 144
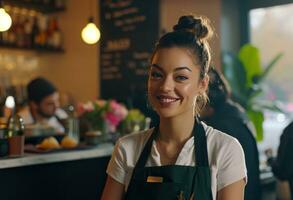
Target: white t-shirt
column 226, row 157
column 52, row 121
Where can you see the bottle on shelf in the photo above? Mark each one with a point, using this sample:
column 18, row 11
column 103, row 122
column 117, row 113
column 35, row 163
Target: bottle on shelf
column 41, row 37
column 32, row 29
column 35, row 32
column 27, row 32
column 54, row 34
column 19, row 29
column 11, row 34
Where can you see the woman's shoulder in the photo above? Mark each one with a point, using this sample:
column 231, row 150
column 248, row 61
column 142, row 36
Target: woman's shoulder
column 220, row 142
column 226, row 156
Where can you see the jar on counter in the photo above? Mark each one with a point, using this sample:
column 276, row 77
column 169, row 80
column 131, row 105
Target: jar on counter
column 15, row 132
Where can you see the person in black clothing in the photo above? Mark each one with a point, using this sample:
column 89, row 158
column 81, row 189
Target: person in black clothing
column 282, row 166
column 227, row 116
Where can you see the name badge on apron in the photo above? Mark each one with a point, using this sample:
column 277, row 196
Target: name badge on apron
column 154, row 179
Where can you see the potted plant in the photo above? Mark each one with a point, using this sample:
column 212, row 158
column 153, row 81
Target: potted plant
column 101, row 118
column 246, row 76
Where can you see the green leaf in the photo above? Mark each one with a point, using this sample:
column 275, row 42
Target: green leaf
column 250, row 58
column 269, row 67
column 235, row 74
column 257, row 119
column 267, row 105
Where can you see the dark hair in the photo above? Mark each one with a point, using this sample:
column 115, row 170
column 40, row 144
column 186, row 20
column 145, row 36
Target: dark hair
column 219, row 89
column 191, row 33
column 39, row 88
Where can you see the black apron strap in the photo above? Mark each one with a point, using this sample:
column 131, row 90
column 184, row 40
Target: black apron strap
column 146, row 150
column 200, row 144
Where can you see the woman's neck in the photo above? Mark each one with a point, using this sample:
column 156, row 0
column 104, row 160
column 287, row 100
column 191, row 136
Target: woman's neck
column 176, row 129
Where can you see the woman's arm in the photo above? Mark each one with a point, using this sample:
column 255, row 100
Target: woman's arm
column 113, row 190
column 234, row 191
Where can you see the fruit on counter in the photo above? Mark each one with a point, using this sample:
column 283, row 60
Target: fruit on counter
column 49, row 143
column 69, row 142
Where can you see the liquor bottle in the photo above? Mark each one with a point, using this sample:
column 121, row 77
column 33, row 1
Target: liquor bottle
column 56, row 39
column 41, row 39
column 11, row 37
column 27, row 32
column 20, row 31
column 35, row 32
column 50, row 32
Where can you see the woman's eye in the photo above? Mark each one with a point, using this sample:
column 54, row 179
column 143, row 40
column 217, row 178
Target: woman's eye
column 181, row 78
column 156, row 75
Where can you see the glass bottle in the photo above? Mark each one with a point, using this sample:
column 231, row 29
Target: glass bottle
column 15, row 132
column 15, row 126
column 72, row 124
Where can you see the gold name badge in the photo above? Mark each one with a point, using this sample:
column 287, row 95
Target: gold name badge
column 154, row 179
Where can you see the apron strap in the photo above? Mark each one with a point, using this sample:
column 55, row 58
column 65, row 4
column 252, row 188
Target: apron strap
column 200, row 144
column 146, row 150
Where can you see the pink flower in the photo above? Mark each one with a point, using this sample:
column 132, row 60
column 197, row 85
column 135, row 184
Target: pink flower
column 110, row 111
column 88, row 107
column 113, row 119
column 100, row 102
column 80, row 109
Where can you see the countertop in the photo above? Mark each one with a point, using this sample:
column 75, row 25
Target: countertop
column 54, row 157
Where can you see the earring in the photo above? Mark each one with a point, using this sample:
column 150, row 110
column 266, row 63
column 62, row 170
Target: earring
column 148, row 104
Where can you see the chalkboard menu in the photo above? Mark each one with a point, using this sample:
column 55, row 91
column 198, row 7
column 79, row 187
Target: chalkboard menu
column 129, row 31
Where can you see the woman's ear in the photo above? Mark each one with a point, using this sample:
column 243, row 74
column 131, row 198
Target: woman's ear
column 204, row 84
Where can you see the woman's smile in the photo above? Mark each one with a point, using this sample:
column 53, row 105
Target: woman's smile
column 166, row 101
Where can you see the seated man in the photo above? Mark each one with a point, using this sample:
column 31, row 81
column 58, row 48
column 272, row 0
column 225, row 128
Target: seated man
column 43, row 105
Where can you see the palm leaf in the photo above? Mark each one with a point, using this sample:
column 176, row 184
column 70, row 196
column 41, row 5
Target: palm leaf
column 269, row 67
column 235, row 74
column 250, row 59
column 257, row 118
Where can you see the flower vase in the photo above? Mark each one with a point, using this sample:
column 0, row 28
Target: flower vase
column 97, row 135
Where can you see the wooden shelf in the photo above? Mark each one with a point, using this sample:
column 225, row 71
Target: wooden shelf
column 36, row 49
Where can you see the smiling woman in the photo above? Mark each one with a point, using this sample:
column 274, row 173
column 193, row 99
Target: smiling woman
column 181, row 158
column 174, row 83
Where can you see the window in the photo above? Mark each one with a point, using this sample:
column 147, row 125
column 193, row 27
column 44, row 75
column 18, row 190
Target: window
column 271, row 30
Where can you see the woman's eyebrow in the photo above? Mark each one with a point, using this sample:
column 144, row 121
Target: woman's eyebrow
column 157, row 66
column 176, row 69
column 183, row 68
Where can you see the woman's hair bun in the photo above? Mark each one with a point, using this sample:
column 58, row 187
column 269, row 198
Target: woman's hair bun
column 197, row 25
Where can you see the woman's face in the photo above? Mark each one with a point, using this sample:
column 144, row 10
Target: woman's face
column 174, row 82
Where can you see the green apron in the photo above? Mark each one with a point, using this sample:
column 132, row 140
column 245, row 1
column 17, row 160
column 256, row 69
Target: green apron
column 176, row 182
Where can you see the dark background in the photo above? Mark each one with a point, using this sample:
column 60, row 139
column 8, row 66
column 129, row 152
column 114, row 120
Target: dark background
column 124, row 69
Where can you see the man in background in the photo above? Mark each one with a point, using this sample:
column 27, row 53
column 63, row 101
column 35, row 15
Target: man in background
column 282, row 165
column 43, row 106
column 229, row 117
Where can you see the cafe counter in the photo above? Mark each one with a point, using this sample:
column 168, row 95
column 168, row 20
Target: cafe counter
column 69, row 174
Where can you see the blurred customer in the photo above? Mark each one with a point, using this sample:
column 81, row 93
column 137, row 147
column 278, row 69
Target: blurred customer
column 227, row 116
column 282, row 166
column 43, row 106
